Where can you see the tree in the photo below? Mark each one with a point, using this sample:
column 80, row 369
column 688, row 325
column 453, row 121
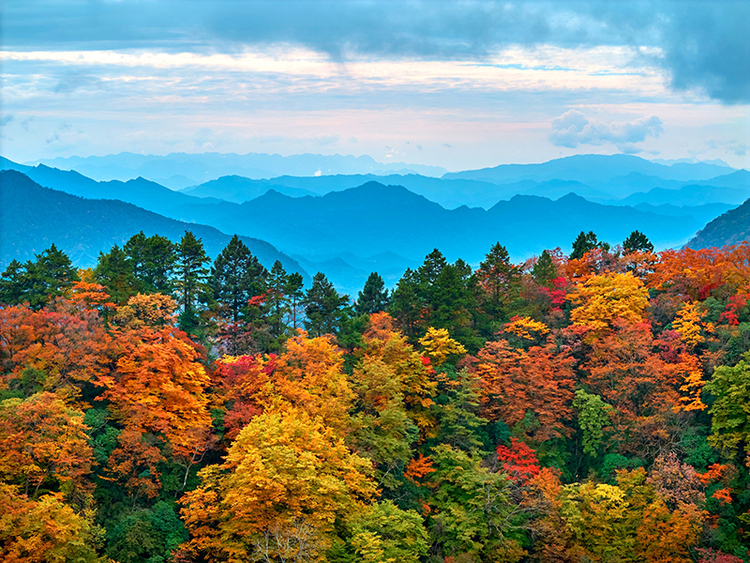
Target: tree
column 192, row 278
column 373, row 298
column 407, row 305
column 603, row 299
column 637, row 242
column 517, row 382
column 472, row 509
column 584, row 243
column 236, row 276
column 384, row 532
column 497, row 278
column 43, row 445
column 13, row 284
column 114, row 271
column 153, row 260
column 323, row 306
column 730, row 422
column 594, row 415
column 293, row 289
column 45, row 530
column 158, row 394
column 278, row 305
column 285, row 482
column 544, row 271
column 49, row 276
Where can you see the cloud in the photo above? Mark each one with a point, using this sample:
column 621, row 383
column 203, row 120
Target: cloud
column 6, row 119
column 72, row 81
column 701, row 45
column 573, row 128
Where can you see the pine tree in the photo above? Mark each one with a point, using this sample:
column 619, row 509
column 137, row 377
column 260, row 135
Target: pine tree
column 293, row 290
column 192, row 279
column 585, row 242
column 544, row 271
column 153, row 261
column 49, row 276
column 13, row 284
column 236, row 276
column 637, row 242
column 115, row 272
column 373, row 298
column 498, row 278
column 323, row 307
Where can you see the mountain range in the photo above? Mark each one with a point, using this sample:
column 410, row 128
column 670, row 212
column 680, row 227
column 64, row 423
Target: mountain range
column 179, row 170
column 348, row 225
column 32, row 218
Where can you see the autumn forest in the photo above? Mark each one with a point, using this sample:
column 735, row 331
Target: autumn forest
column 164, row 407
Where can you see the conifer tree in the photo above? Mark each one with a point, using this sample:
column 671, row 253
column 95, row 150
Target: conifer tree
column 637, row 242
column 236, row 276
column 373, row 298
column 585, row 242
column 293, row 289
column 323, row 307
column 191, row 278
column 544, row 271
column 153, row 261
column 115, row 272
column 497, row 277
column 12, row 284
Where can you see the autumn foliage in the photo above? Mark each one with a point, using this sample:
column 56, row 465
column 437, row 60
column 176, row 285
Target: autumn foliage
column 561, row 410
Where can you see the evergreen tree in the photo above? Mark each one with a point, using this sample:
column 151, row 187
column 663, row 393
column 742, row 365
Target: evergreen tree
column 236, row 276
column 293, row 290
column 323, row 307
column 277, row 304
column 406, row 304
column 637, row 242
column 191, row 279
column 49, row 276
column 585, row 242
column 373, row 298
column 114, row 271
column 13, row 284
column 498, row 279
column 544, row 271
column 153, row 261
column 453, row 302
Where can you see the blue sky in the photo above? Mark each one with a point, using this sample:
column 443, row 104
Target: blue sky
column 456, row 84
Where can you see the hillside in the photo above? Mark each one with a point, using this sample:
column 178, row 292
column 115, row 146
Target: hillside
column 733, row 227
column 33, row 217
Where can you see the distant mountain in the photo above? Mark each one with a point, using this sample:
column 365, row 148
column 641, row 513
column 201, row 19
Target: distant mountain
column 591, row 170
column 33, row 217
column 733, row 227
column 139, row 192
column 374, row 219
column 693, row 194
column 239, row 189
column 210, row 166
column 701, row 213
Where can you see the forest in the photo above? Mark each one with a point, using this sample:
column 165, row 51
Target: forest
column 164, row 407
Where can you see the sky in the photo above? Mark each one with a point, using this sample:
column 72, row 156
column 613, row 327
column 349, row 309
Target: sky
column 461, row 85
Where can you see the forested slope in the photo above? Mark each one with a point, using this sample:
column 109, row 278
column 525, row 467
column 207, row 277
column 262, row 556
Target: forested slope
column 589, row 407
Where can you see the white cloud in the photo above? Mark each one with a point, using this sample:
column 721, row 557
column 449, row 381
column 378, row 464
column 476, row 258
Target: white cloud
column 573, row 129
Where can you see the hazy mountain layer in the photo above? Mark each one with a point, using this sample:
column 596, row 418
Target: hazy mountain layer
column 140, row 192
column 591, row 169
column 208, row 166
column 374, row 218
column 33, row 217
